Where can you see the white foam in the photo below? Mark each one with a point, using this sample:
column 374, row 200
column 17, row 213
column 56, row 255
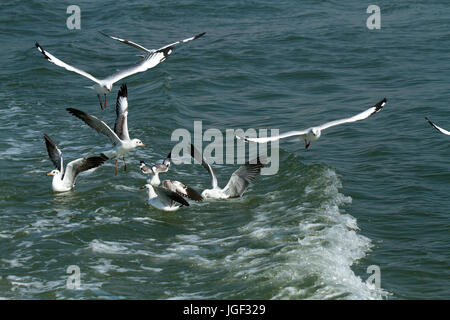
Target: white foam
column 317, row 252
column 107, row 247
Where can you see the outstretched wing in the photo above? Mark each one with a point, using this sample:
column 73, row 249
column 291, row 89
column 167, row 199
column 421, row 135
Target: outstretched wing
column 121, row 124
column 182, row 189
column 82, row 164
column 96, row 124
column 274, row 138
column 60, row 63
column 169, row 196
column 182, row 41
column 54, row 154
column 128, row 42
column 151, row 60
column 138, row 46
column 438, row 128
column 145, row 169
column 359, row 116
column 198, row 157
column 242, row 177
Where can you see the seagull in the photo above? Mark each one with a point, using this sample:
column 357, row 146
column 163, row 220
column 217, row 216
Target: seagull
column 239, row 180
column 314, row 133
column 64, row 180
column 172, row 185
column 438, row 128
column 122, row 144
column 156, row 169
column 164, row 199
column 103, row 86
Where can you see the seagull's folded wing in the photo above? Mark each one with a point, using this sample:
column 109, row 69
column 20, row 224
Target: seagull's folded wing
column 182, row 189
column 167, row 196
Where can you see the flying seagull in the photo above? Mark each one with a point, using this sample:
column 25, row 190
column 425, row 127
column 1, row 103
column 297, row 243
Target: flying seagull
column 314, row 133
column 64, row 180
column 122, row 144
column 103, row 86
column 164, row 199
column 438, row 128
column 239, row 180
column 172, row 185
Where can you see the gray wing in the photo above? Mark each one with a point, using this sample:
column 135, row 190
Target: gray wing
column 121, row 124
column 145, row 169
column 54, row 153
column 82, row 164
column 168, row 196
column 167, row 160
column 96, row 124
column 182, row 189
column 438, row 128
column 242, row 177
column 198, row 157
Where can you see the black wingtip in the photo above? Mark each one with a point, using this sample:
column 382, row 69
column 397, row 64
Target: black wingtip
column 169, row 156
column 123, row 92
column 77, row 113
column 48, row 139
column 199, row 35
column 166, row 51
column 380, row 105
column 39, row 47
column 432, row 124
column 96, row 161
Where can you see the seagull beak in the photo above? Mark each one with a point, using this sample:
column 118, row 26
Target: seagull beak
column 143, row 187
column 49, row 174
column 143, row 145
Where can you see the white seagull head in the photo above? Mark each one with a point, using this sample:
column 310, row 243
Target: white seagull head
column 313, row 134
column 54, row 172
column 137, row 143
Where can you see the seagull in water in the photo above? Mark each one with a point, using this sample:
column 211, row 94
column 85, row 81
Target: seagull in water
column 314, row 133
column 171, row 185
column 64, row 180
column 438, row 128
column 122, row 144
column 164, row 199
column 239, row 180
column 103, row 86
